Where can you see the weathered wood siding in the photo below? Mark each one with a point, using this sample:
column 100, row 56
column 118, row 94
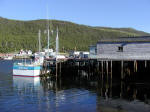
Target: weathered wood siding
column 130, row 50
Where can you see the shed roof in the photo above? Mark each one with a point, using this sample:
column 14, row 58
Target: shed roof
column 126, row 39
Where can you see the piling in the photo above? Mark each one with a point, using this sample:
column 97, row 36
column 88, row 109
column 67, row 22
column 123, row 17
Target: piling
column 60, row 68
column 145, row 64
column 107, row 67
column 56, row 69
column 102, row 68
column 111, row 68
column 107, row 70
column 135, row 66
column 122, row 70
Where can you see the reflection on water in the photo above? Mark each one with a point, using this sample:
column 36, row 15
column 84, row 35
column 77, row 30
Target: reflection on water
column 25, row 82
column 87, row 90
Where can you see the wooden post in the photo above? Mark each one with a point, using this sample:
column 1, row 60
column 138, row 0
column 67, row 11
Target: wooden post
column 89, row 67
column 60, row 68
column 111, row 68
column 145, row 64
column 135, row 66
column 107, row 67
column 56, row 69
column 111, row 88
column 98, row 65
column 102, row 87
column 122, row 70
column 107, row 70
column 121, row 92
column 102, row 68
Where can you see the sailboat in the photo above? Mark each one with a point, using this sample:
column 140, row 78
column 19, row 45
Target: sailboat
column 58, row 56
column 49, row 53
column 29, row 69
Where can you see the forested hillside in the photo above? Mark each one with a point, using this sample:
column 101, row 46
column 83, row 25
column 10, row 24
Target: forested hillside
column 16, row 35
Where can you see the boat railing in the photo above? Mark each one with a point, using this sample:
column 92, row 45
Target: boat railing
column 24, row 62
column 27, row 63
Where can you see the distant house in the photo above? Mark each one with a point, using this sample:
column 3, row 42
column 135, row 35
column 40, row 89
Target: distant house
column 124, row 48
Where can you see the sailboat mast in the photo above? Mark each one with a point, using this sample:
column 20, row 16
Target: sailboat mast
column 48, row 37
column 39, row 40
column 57, row 43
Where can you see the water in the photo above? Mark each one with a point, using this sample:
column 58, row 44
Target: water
column 71, row 93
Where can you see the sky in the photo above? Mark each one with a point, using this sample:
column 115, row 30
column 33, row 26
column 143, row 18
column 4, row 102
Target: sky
column 107, row 13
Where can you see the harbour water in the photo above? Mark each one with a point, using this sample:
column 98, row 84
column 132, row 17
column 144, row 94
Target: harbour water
column 75, row 90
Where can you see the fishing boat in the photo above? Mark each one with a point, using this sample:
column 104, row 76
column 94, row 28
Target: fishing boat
column 29, row 69
column 26, row 70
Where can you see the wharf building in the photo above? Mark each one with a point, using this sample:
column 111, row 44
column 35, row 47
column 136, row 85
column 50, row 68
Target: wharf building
column 123, row 48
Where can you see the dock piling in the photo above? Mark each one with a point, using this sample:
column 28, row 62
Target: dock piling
column 122, row 69
column 111, row 68
column 102, row 68
column 135, row 66
column 145, row 64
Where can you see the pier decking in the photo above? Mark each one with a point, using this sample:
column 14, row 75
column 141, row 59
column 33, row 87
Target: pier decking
column 105, row 67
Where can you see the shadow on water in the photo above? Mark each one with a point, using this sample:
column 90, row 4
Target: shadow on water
column 128, row 89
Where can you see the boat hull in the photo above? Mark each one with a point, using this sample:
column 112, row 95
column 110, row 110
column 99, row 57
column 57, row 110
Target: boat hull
column 25, row 71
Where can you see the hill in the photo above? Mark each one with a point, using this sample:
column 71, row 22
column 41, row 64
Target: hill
column 16, row 35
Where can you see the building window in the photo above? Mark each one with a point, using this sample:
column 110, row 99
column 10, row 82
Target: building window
column 120, row 49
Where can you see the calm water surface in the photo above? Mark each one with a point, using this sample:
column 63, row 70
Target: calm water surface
column 70, row 94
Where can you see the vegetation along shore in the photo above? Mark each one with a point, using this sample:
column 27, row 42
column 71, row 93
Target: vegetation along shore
column 16, row 35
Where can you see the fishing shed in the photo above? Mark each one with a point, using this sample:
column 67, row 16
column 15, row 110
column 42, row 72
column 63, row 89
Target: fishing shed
column 124, row 48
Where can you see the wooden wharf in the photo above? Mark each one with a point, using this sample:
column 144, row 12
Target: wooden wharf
column 105, row 67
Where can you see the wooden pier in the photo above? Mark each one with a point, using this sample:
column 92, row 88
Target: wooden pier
column 105, row 68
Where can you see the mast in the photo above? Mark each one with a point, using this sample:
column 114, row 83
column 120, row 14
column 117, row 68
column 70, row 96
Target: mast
column 48, row 36
column 39, row 40
column 57, row 43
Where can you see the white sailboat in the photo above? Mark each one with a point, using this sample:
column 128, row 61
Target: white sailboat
column 39, row 56
column 58, row 56
column 49, row 51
